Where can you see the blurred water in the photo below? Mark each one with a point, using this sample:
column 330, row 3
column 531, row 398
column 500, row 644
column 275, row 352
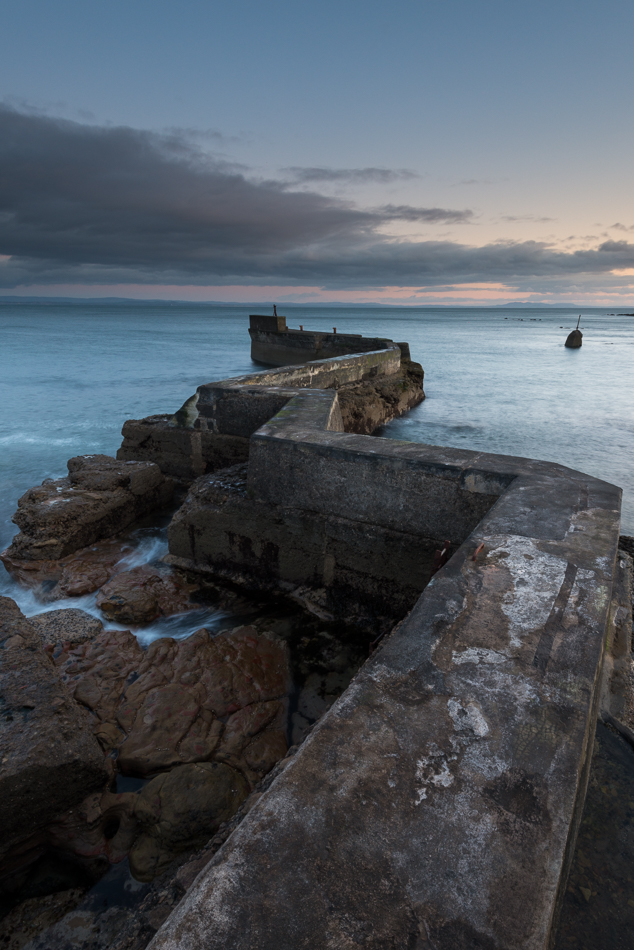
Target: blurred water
column 142, row 546
column 497, row 380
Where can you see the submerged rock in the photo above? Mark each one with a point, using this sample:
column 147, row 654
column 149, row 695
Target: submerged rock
column 99, row 498
column 32, row 916
column 50, row 758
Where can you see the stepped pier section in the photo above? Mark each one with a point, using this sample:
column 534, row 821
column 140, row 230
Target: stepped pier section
column 436, row 804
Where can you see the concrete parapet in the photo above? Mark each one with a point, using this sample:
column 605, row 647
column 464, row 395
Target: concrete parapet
column 436, row 804
column 211, row 430
column 240, row 406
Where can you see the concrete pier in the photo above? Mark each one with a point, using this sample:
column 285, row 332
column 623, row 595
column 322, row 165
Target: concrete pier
column 436, row 804
column 275, row 344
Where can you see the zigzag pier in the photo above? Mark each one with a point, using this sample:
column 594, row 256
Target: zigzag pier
column 436, row 803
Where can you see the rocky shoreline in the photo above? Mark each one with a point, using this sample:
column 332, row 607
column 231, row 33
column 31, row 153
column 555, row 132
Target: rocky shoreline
column 118, row 754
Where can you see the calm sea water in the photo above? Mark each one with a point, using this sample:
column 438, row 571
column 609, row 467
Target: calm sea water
column 497, row 380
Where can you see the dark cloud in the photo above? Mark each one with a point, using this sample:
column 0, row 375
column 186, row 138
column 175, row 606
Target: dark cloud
column 526, row 217
column 478, row 181
column 431, row 215
column 86, row 204
column 349, row 176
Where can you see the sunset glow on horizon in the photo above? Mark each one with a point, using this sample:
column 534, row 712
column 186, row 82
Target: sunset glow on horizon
column 452, row 153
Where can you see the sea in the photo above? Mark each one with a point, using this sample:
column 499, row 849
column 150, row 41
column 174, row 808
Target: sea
column 497, row 380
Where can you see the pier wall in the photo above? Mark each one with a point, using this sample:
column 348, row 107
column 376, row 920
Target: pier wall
column 436, row 804
column 275, row 344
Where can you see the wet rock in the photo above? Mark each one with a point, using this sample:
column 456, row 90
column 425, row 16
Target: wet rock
column 103, row 825
column 99, row 498
column 121, row 913
column 77, row 574
column 66, row 626
column 320, row 692
column 32, row 916
column 368, row 405
column 182, row 809
column 145, row 593
column 50, row 758
column 184, row 701
column 574, row 340
column 317, row 695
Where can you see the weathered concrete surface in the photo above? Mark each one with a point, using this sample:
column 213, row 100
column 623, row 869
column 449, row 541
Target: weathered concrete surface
column 180, row 452
column 436, row 803
column 275, row 344
column 337, row 566
column 289, row 347
column 618, row 659
column 49, row 758
column 99, row 498
column 355, row 519
column 241, row 405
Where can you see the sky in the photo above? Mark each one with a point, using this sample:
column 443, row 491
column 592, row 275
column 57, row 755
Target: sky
column 412, row 152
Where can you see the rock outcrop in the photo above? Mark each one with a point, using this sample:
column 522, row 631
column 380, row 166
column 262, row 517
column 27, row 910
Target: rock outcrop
column 50, row 758
column 367, row 405
column 184, row 701
column 182, row 809
column 117, row 916
column 99, row 499
column 72, row 626
column 77, row 574
column 145, row 593
column 574, row 340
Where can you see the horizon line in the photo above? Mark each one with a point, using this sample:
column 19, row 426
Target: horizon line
column 18, row 298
